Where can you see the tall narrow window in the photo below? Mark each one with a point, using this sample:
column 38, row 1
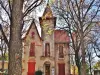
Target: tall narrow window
column 61, row 69
column 61, row 55
column 32, row 49
column 47, row 49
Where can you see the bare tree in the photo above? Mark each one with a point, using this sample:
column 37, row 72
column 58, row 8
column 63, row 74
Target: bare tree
column 3, row 51
column 79, row 16
column 95, row 39
column 90, row 59
column 16, row 12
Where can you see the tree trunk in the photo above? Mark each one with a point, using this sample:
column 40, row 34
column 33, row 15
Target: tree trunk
column 78, row 63
column 83, row 71
column 15, row 43
column 3, row 63
column 90, row 64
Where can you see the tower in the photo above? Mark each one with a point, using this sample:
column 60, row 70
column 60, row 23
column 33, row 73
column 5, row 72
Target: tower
column 48, row 22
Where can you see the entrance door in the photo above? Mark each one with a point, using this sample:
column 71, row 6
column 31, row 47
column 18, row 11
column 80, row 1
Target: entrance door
column 47, row 69
column 31, row 68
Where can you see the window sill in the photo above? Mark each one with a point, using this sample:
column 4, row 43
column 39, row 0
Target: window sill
column 44, row 57
column 33, row 56
column 61, row 58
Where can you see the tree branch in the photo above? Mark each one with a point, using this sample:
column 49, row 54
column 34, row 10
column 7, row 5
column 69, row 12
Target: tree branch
column 32, row 6
column 1, row 3
column 4, row 36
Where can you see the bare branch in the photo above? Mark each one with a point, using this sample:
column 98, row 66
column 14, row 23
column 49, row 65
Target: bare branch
column 88, row 9
column 1, row 3
column 5, row 38
column 32, row 6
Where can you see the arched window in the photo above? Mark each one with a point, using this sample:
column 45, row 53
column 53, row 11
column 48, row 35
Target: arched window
column 61, row 55
column 47, row 49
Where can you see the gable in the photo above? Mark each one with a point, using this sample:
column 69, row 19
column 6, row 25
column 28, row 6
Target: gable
column 32, row 33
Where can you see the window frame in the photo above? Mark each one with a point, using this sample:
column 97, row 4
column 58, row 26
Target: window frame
column 47, row 49
column 32, row 49
column 61, row 51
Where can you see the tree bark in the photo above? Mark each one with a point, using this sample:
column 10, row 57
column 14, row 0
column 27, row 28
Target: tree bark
column 83, row 71
column 78, row 63
column 15, row 43
column 3, row 62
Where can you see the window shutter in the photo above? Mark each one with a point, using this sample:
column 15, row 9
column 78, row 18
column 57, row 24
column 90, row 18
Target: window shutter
column 32, row 49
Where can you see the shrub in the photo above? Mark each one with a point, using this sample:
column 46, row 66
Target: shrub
column 39, row 72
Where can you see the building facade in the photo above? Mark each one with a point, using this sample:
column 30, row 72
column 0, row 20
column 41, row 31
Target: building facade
column 48, row 52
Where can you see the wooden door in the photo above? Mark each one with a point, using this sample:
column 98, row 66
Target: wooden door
column 47, row 69
column 31, row 68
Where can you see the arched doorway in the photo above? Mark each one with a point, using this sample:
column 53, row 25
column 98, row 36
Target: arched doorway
column 47, row 68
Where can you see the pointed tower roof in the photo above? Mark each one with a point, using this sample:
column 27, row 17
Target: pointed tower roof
column 47, row 15
column 47, row 12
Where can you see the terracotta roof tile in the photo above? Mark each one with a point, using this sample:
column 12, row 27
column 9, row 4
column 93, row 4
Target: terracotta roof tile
column 61, row 36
